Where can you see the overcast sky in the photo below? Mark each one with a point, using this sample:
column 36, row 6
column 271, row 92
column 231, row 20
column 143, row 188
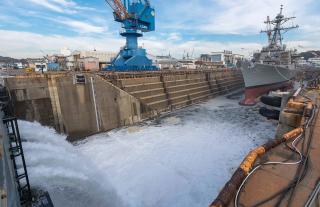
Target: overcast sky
column 28, row 27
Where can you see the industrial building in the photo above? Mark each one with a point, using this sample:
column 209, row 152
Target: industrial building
column 40, row 66
column 68, row 60
column 89, row 64
column 226, row 58
column 166, row 62
column 315, row 61
column 311, row 62
column 302, row 62
column 31, row 62
column 79, row 60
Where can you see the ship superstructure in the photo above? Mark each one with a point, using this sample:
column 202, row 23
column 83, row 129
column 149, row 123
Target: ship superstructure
column 275, row 52
column 273, row 67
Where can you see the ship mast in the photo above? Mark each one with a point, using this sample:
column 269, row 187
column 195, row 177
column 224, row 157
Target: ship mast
column 275, row 29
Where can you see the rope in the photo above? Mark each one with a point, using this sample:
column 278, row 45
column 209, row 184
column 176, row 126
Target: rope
column 281, row 74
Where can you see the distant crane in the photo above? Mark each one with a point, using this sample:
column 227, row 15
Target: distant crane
column 136, row 16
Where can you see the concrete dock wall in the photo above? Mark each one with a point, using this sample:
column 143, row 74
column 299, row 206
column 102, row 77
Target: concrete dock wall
column 31, row 99
column 95, row 106
column 78, row 110
column 82, row 109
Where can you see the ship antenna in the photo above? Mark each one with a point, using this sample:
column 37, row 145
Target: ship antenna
column 269, row 32
column 274, row 34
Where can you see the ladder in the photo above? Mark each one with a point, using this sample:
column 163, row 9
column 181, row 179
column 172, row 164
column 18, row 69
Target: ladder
column 18, row 160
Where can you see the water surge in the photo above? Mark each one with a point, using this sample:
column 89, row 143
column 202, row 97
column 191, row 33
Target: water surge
column 181, row 159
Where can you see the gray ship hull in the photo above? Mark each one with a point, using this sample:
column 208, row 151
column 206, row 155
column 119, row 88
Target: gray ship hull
column 262, row 78
column 263, row 74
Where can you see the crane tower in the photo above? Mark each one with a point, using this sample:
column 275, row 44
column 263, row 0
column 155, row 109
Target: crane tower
column 136, row 17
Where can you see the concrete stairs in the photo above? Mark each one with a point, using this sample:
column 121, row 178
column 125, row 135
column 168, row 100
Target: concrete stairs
column 168, row 92
column 150, row 91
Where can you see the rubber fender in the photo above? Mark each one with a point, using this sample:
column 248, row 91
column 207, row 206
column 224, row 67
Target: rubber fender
column 270, row 114
column 271, row 100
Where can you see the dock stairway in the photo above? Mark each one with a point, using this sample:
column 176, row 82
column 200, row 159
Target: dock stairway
column 18, row 160
column 166, row 92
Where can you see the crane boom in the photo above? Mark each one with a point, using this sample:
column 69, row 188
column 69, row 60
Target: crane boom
column 118, row 8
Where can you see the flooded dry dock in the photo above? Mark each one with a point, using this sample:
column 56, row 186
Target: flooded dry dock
column 84, row 104
column 139, row 161
column 176, row 159
column 169, row 149
column 203, row 112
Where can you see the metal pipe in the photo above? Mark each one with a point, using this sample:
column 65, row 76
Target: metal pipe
column 95, row 105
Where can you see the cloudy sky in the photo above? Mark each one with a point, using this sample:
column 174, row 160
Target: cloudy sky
column 29, row 28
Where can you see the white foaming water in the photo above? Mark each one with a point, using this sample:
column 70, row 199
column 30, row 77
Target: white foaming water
column 54, row 165
column 181, row 159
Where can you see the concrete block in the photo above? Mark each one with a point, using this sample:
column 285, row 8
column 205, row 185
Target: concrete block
column 290, row 119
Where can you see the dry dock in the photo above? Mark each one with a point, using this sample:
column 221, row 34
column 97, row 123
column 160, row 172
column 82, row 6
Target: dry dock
column 81, row 104
column 285, row 171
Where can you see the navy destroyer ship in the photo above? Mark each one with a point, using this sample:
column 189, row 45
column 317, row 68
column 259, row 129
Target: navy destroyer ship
column 271, row 68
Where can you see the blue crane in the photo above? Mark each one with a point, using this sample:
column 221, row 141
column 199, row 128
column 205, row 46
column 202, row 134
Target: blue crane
column 136, row 16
